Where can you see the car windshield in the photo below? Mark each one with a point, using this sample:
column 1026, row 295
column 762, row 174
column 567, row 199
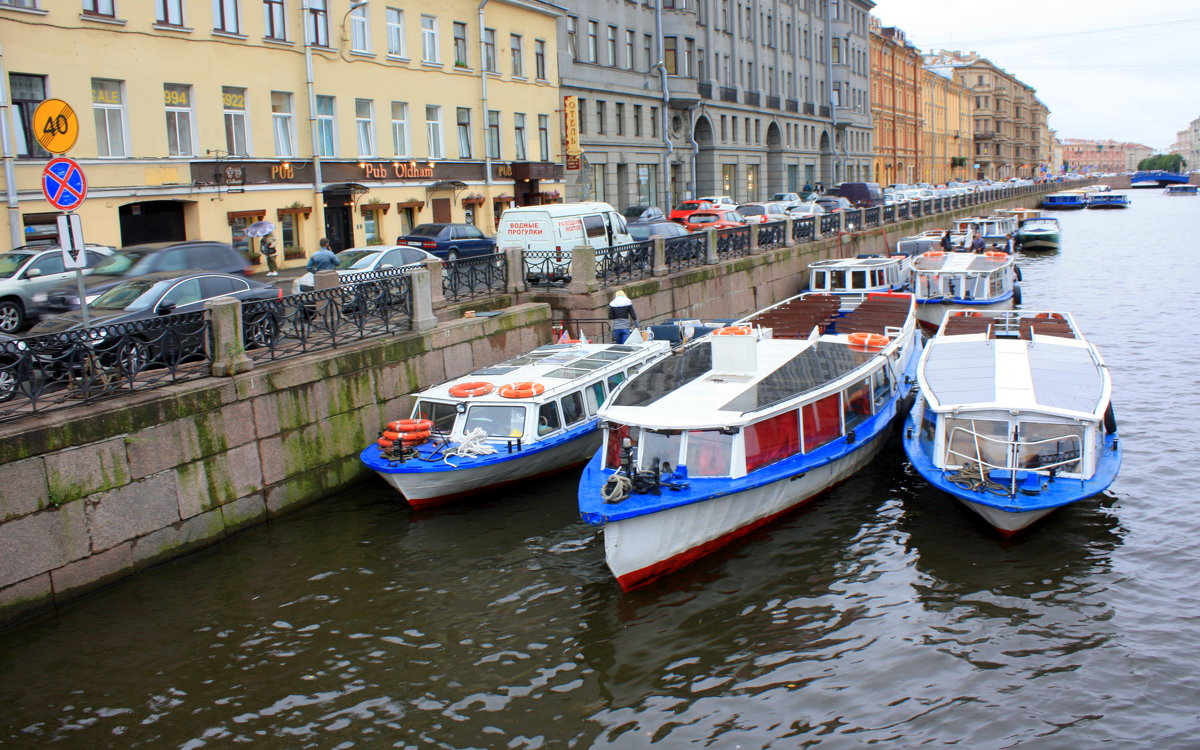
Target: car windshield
column 689, row 206
column 10, row 263
column 751, row 210
column 355, row 259
column 121, row 263
column 135, row 294
column 426, row 230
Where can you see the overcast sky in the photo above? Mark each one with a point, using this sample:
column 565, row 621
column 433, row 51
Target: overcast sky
column 1122, row 69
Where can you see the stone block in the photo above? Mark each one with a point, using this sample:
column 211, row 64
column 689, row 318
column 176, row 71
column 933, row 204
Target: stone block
column 396, row 379
column 26, row 597
column 323, row 481
column 92, row 571
column 86, row 470
column 243, row 512
column 216, row 480
column 41, row 542
column 178, row 538
column 23, row 488
column 160, row 448
column 132, row 511
column 458, row 360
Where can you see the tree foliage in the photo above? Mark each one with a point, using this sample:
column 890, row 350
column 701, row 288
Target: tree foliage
column 1165, row 162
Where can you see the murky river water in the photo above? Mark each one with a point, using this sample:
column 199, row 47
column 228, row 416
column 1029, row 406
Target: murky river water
column 884, row 611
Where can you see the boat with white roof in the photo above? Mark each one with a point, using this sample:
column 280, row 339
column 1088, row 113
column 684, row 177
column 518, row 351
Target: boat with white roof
column 1107, row 199
column 1181, row 190
column 734, row 430
column 1068, row 200
column 997, row 231
column 1014, row 416
column 1040, row 233
column 861, row 275
column 981, row 281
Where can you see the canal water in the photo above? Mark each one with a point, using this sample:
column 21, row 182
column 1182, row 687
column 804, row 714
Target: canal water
column 884, row 611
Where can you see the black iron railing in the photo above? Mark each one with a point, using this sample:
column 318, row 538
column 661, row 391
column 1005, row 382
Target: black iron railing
column 871, row 216
column 852, row 219
column 547, row 267
column 803, row 229
column 771, row 235
column 686, row 251
column 830, row 223
column 478, row 276
column 733, row 242
column 621, row 263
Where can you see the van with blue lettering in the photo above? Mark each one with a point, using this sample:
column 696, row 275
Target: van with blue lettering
column 547, row 234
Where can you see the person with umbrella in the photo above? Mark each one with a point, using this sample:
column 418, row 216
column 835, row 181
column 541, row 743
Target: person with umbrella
column 267, row 244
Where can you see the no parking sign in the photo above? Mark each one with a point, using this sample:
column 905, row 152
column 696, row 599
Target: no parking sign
column 63, row 184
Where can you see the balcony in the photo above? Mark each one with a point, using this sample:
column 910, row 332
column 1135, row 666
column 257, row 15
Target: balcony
column 729, row 94
column 984, row 135
column 793, row 105
column 824, row 111
column 772, row 102
column 683, row 93
column 810, row 108
column 705, row 90
column 751, row 98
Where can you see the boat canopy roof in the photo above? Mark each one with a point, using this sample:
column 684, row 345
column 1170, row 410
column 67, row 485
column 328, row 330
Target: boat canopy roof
column 850, row 264
column 1041, row 222
column 959, row 263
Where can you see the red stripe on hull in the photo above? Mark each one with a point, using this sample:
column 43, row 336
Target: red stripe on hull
column 431, row 502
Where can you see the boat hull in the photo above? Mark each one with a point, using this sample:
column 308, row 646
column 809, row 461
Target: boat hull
column 931, row 314
column 1045, row 241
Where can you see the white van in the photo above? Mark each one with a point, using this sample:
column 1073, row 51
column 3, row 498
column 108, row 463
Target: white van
column 558, row 228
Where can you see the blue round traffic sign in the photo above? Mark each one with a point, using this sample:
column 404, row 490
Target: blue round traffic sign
column 63, row 184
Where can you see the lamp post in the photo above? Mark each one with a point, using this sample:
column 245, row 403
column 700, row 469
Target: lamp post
column 309, row 17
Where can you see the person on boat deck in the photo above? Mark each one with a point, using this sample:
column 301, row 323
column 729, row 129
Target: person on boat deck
column 977, row 244
column 621, row 317
column 947, row 245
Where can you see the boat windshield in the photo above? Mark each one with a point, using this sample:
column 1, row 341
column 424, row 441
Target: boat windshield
column 441, row 414
column 708, row 453
column 496, row 421
column 661, row 449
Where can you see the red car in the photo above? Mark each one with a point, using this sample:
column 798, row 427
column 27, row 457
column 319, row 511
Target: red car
column 685, row 209
column 702, row 220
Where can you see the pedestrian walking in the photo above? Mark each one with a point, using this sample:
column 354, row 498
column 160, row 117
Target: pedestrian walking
column 269, row 252
column 621, row 317
column 323, row 259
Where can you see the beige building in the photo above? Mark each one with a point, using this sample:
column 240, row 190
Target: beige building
column 1187, row 144
column 896, row 71
column 353, row 121
column 946, row 138
column 1087, row 156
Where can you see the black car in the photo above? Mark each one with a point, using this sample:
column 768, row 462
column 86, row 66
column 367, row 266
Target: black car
column 645, row 230
column 643, row 213
column 13, row 355
column 139, row 260
column 449, row 241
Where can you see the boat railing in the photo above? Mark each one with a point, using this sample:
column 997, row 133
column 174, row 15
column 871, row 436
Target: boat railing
column 1012, row 450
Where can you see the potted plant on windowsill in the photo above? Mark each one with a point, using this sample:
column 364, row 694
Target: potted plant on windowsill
column 291, row 252
column 254, row 257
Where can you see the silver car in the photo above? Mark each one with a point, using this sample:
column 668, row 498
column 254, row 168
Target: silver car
column 356, row 261
column 31, row 269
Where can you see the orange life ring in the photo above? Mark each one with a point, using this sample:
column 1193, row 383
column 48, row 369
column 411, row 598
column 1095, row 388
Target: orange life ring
column 733, row 331
column 967, row 314
column 934, row 253
column 527, row 389
column 475, row 388
column 868, row 340
column 1050, row 316
column 409, row 425
column 995, row 254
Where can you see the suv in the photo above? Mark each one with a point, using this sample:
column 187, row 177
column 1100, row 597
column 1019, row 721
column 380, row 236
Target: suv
column 32, row 270
column 449, row 241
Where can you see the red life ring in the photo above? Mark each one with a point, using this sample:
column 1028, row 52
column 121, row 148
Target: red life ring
column 967, row 314
column 866, row 340
column 409, row 425
column 476, row 388
column 934, row 253
column 995, row 254
column 1050, row 316
column 733, row 331
column 527, row 389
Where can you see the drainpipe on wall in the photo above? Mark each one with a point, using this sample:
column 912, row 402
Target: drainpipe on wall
column 694, row 183
column 666, row 97
column 310, row 84
column 7, row 125
column 483, row 95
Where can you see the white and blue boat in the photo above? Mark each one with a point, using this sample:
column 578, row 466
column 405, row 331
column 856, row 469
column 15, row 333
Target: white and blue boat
column 1181, row 190
column 859, row 276
column 1107, row 199
column 980, row 281
column 997, row 231
column 529, row 416
column 1066, row 201
column 734, row 430
column 1013, row 416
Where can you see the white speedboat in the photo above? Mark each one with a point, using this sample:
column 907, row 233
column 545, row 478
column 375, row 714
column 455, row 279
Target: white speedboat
column 868, row 273
column 732, row 431
column 980, row 281
column 1014, row 415
column 1041, row 233
column 528, row 416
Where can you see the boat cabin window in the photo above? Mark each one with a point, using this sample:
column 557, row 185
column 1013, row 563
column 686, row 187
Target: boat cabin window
column 857, row 401
column 837, row 280
column 708, row 453
column 615, row 380
column 822, row 421
column 1050, row 446
column 772, row 440
column 594, row 395
column 572, row 408
column 972, row 440
column 858, row 280
column 820, row 280
column 548, row 419
column 928, row 422
column 660, row 447
column 497, row 421
column 612, row 446
column 442, row 415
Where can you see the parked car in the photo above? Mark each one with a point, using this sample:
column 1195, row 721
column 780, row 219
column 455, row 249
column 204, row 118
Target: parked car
column 862, row 194
column 720, row 200
column 13, row 352
column 449, row 241
column 359, row 260
column 757, row 213
column 832, row 203
column 646, row 230
column 688, row 207
column 786, row 197
column 806, row 209
column 643, row 213
column 702, row 220
column 139, row 260
column 31, row 270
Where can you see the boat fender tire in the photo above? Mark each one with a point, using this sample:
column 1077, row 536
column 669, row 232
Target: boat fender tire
column 527, row 389
column 475, row 388
column 1017, row 273
column 1110, row 420
column 1016, row 294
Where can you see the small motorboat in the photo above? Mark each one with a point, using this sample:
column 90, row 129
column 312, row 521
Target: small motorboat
column 1042, row 233
column 1069, row 200
column 1107, row 199
column 1180, row 190
column 981, row 281
column 1013, row 416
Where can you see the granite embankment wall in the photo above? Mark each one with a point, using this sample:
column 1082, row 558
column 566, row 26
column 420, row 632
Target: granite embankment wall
column 92, row 494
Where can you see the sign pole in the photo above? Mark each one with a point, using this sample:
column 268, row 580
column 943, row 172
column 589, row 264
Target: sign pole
column 70, row 238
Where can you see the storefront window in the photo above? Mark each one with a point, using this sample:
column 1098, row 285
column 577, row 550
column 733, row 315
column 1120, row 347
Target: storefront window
column 727, row 173
column 647, row 182
column 287, row 231
column 371, row 227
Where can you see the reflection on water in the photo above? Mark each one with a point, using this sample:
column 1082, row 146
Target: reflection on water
column 884, row 611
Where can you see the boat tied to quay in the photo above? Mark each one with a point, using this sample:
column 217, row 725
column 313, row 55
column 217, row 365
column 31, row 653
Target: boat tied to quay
column 980, row 281
column 1041, row 233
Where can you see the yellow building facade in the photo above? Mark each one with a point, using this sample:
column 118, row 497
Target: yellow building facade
column 895, row 105
column 946, row 137
column 330, row 118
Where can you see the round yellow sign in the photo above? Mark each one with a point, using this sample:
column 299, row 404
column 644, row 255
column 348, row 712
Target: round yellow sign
column 55, row 126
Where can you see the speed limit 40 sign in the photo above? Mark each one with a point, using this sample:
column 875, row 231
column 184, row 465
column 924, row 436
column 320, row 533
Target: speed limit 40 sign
column 55, row 126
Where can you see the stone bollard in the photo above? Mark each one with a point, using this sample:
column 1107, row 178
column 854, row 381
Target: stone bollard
column 228, row 346
column 710, row 251
column 422, row 300
column 660, row 256
column 437, row 275
column 326, row 280
column 582, row 269
column 514, row 256
column 754, row 238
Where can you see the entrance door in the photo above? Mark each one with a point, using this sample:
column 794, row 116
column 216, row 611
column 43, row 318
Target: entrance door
column 441, row 210
column 151, row 221
column 528, row 193
column 338, row 229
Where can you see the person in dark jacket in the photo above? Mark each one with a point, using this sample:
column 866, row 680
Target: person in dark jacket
column 947, row 245
column 621, row 317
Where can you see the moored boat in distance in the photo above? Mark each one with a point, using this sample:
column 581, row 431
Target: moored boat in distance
column 1180, row 190
column 1069, row 200
column 732, row 431
column 997, row 231
column 1013, row 416
column 941, row 280
column 526, row 417
column 1107, row 199
column 870, row 273
column 1042, row 233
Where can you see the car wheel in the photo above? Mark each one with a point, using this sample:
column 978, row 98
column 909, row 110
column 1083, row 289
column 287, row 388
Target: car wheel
column 12, row 315
column 261, row 332
column 452, row 255
column 8, row 381
column 133, row 357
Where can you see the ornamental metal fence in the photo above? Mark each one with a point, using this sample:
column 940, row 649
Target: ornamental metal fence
column 803, row 229
column 686, row 251
column 772, row 234
column 830, row 223
column 621, row 263
column 733, row 242
column 547, row 267
column 477, row 276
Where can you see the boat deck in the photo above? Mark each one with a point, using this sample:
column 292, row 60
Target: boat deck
column 964, row 324
column 796, row 318
column 876, row 314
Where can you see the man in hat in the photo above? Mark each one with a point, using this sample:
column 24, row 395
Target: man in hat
column 621, row 317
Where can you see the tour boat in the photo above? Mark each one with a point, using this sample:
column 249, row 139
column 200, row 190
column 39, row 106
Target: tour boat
column 867, row 273
column 997, row 231
column 734, row 430
column 982, row 281
column 1107, row 200
column 1013, row 416
column 930, row 239
column 1064, row 201
column 526, row 417
column 1042, row 233
column 1180, row 190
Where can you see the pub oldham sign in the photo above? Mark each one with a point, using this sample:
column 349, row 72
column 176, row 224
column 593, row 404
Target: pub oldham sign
column 288, row 171
column 397, row 169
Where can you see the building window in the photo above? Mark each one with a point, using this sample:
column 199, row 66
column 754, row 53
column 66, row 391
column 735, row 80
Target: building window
column 544, row 136
column 234, row 101
column 371, row 222
column 493, row 134
column 600, row 117
column 647, row 183
column 225, row 16
column 108, row 106
column 99, row 8
column 612, row 46
column 489, row 50
column 364, row 122
column 593, row 42
column 326, row 126
column 583, row 115
column 572, row 33
column 400, row 139
column 170, row 12
column 648, row 49
column 539, row 59
column 630, row 59
column 518, row 56
column 282, row 123
column 177, row 98
column 670, row 55
column 460, row 44
column 519, row 137
column 620, row 116
column 288, row 234
column 27, row 93
column 360, row 32
column 598, row 187
column 429, row 39
column 637, row 120
column 433, row 130
column 727, row 174
column 464, row 133
column 395, row 32
column 316, row 26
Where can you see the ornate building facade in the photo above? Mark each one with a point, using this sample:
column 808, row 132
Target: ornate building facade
column 901, row 119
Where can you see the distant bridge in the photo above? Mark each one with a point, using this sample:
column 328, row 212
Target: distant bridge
column 1157, row 178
